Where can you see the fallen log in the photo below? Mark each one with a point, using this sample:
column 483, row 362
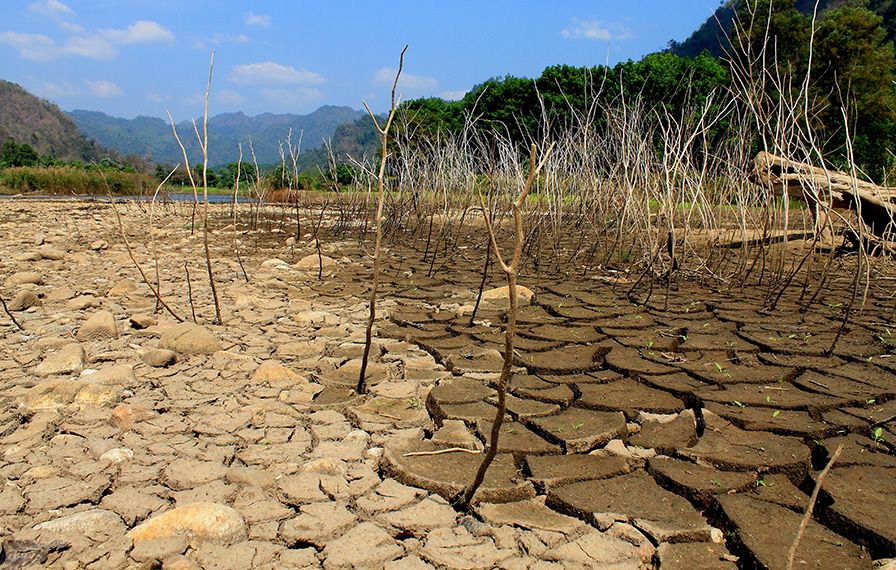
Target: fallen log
column 824, row 189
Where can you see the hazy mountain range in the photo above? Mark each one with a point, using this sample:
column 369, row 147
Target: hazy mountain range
column 151, row 137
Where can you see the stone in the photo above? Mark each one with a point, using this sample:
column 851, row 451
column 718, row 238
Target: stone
column 67, row 360
column 159, row 357
column 530, row 514
column 47, row 251
column 122, row 287
column 73, row 394
column 457, row 548
column 500, row 296
column 92, row 522
column 364, row 546
column 198, row 521
column 317, row 524
column 274, row 372
column 24, row 299
column 132, row 504
column 23, row 278
column 100, row 326
column 158, row 549
column 313, row 262
column 190, row 339
column 117, row 455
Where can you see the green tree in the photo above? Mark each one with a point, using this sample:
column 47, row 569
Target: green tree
column 14, row 154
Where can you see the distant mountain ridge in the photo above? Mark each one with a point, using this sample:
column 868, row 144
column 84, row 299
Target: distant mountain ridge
column 151, row 137
column 30, row 120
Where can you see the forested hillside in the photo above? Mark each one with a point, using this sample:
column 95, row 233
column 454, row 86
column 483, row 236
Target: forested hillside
column 40, row 124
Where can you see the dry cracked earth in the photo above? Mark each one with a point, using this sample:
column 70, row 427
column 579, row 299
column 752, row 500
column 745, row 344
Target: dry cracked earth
column 679, row 433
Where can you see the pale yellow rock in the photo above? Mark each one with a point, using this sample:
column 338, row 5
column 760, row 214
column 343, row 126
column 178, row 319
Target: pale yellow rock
column 79, row 394
column 100, row 326
column 524, row 295
column 273, row 371
column 189, row 338
column 200, row 522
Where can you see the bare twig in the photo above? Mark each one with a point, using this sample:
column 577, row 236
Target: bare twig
column 791, row 556
column 12, row 318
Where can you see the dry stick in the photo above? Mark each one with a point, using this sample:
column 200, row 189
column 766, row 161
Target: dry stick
column 320, row 260
column 442, row 452
column 240, row 261
column 384, row 135
column 190, row 291
column 510, row 272
column 204, row 143
column 127, row 245
column 6, row 310
column 488, row 261
column 812, row 500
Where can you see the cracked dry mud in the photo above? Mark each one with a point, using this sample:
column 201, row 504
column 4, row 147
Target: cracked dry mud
column 679, row 433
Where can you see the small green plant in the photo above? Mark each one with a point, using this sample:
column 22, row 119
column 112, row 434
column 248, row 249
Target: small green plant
column 577, row 426
column 878, row 435
column 739, row 404
column 414, row 403
column 776, row 413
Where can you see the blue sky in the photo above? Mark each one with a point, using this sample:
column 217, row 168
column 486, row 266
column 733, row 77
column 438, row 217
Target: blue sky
column 141, row 57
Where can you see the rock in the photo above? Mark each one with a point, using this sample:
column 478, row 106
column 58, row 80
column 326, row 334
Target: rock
column 39, row 239
column 100, row 326
column 22, row 278
column 132, row 504
column 617, row 447
column 141, row 322
column 66, row 360
column 457, row 548
column 454, row 433
column 273, row 372
column 91, row 522
column 158, row 549
column 159, row 357
column 117, row 455
column 274, row 263
column 312, row 262
column 125, row 416
column 122, row 287
column 50, row 252
column 189, row 338
column 78, row 394
column 199, row 522
column 99, row 244
column 364, row 546
column 500, row 296
column 24, row 299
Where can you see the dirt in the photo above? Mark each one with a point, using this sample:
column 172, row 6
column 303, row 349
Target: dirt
column 681, row 431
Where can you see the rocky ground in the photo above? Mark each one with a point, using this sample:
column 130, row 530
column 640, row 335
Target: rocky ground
column 679, row 434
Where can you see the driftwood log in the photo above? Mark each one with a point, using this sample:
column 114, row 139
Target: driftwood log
column 823, row 189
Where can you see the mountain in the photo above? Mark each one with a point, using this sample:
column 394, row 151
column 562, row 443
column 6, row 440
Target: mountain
column 151, row 137
column 42, row 125
column 711, row 35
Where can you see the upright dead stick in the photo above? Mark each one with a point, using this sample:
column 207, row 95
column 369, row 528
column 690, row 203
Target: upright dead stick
column 384, row 138
column 791, row 556
column 204, row 142
column 510, row 272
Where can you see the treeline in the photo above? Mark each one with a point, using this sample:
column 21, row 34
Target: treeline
column 850, row 72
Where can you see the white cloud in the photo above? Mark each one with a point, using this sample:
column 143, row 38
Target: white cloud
column 293, row 96
column 71, row 27
column 595, row 30
column 154, row 97
column 453, row 95
column 51, row 9
column 104, row 89
column 253, row 19
column 93, row 47
column 271, row 73
column 386, row 76
column 140, row 32
column 36, row 47
column 228, row 97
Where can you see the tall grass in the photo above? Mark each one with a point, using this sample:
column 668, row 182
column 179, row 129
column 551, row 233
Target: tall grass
column 66, row 180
